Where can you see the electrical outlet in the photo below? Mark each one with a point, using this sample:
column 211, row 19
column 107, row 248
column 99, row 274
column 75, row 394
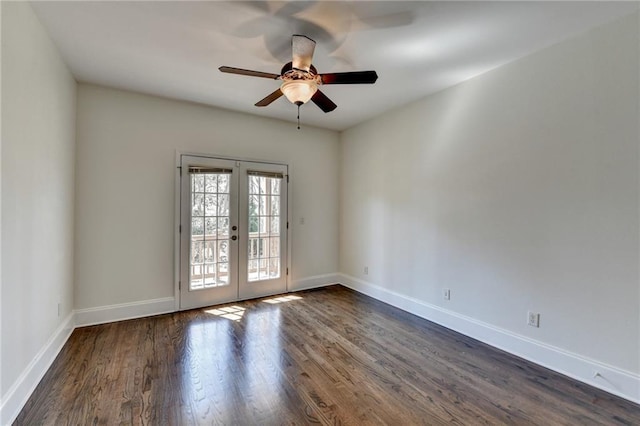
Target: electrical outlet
column 446, row 294
column 533, row 319
column 302, row 221
column 366, row 270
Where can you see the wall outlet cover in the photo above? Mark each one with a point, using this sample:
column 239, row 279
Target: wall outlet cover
column 533, row 319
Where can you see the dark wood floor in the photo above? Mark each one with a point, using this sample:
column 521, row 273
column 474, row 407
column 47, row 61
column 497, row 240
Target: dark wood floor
column 331, row 356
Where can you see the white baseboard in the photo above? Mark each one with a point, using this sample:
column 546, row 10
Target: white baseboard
column 314, row 282
column 614, row 380
column 18, row 394
column 124, row 311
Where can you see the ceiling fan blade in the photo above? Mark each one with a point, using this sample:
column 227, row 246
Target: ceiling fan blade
column 250, row 73
column 270, row 98
column 355, row 77
column 323, row 101
column 302, row 48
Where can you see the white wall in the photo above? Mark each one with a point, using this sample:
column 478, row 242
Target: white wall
column 1, row 393
column 518, row 190
column 38, row 143
column 125, row 188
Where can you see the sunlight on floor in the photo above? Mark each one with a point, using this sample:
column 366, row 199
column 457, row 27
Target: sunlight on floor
column 233, row 313
column 282, row 299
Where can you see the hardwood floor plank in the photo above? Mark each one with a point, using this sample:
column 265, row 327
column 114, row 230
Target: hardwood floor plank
column 329, row 356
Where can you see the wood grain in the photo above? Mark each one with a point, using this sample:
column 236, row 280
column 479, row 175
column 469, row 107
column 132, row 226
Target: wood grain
column 332, row 356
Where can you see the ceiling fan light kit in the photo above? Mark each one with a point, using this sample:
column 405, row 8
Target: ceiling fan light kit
column 300, row 78
column 299, row 92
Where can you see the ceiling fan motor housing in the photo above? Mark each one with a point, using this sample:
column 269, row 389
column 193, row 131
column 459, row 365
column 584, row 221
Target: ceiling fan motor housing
column 288, row 72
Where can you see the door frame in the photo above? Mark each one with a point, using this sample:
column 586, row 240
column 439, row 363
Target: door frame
column 178, row 212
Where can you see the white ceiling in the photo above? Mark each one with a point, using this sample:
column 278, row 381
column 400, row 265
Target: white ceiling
column 173, row 49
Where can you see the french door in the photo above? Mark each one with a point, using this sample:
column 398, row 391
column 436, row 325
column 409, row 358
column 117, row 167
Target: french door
column 233, row 230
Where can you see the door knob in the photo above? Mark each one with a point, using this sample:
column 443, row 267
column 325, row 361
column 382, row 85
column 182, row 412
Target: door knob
column 234, row 228
column 233, row 237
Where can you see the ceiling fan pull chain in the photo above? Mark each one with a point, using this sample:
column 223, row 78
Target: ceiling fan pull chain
column 298, row 116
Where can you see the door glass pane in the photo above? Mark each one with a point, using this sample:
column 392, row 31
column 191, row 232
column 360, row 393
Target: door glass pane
column 264, row 228
column 210, row 204
column 197, row 227
column 223, row 227
column 209, row 230
column 210, row 226
column 209, row 274
column 264, row 269
column 197, row 207
column 211, row 182
column 197, row 182
column 223, row 183
column 275, row 186
column 274, row 267
column 274, row 247
column 223, row 205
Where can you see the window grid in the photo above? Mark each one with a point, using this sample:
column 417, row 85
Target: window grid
column 209, row 252
column 264, row 228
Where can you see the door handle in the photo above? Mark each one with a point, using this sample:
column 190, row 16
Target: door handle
column 233, row 237
column 234, row 228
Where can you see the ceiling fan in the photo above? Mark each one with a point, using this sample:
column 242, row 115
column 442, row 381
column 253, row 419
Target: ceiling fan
column 300, row 79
